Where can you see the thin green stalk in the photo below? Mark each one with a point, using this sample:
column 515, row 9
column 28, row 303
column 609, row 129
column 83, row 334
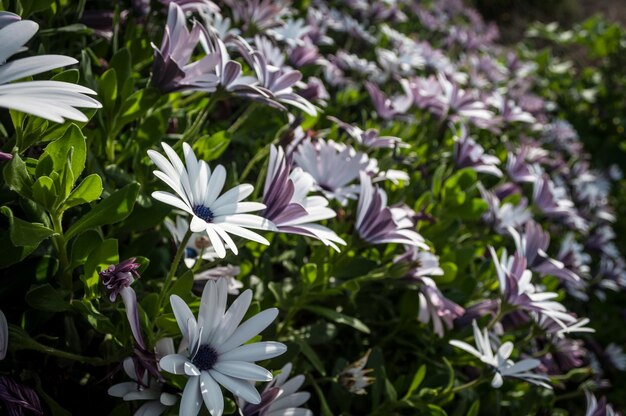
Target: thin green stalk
column 259, row 156
column 468, row 385
column 60, row 246
column 242, row 118
column 174, row 266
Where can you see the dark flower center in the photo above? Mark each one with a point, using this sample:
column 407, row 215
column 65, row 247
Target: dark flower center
column 205, row 358
column 203, row 212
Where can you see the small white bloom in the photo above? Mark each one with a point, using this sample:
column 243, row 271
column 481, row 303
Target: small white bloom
column 145, row 389
column 355, row 376
column 500, row 362
column 198, row 193
column 215, row 353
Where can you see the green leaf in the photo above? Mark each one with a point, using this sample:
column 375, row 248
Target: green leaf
column 417, row 380
column 17, row 177
column 87, row 191
column 24, row 233
column 100, row 258
column 339, row 318
column 474, row 409
column 449, row 273
column 96, row 319
column 109, row 211
column 136, row 106
column 311, row 355
column 107, row 89
column 46, row 298
column 83, row 245
column 55, row 157
column 182, row 286
column 45, row 192
column 212, row 147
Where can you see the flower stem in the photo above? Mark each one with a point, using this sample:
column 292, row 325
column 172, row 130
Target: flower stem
column 468, row 385
column 174, row 266
column 59, row 244
column 242, row 118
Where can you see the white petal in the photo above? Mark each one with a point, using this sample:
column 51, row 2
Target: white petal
column 174, row 363
column 121, row 389
column 197, row 224
column 172, row 200
column 249, row 329
column 183, row 316
column 243, row 370
column 255, row 352
column 239, row 388
column 233, row 316
column 242, row 232
column 192, row 399
column 215, row 185
column 212, row 394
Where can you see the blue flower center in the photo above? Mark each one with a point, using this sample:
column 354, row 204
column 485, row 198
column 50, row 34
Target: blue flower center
column 190, row 253
column 205, row 358
column 203, row 212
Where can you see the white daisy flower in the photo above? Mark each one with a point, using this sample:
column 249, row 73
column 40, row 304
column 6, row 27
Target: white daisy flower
column 144, row 389
column 215, row 353
column 52, row 100
column 198, row 190
column 500, row 362
column 198, row 246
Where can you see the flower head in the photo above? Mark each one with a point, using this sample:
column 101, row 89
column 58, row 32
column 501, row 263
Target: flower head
column 198, row 193
column 370, row 137
column 517, row 289
column 500, row 361
column 143, row 388
column 468, row 153
column 288, row 205
column 280, row 397
column 375, row 221
column 435, row 307
column 52, row 100
column 333, row 167
column 355, row 376
column 215, row 353
column 172, row 69
column 117, row 279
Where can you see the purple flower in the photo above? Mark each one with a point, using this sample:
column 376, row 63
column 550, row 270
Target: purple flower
column 456, row 103
column 369, row 137
column 18, row 398
column 289, row 207
column 435, row 307
column 553, row 202
column 469, row 154
column 504, row 216
column 390, row 108
column 517, row 167
column 533, row 245
column 305, row 54
column 315, row 91
column 425, row 92
column 375, row 222
column 280, row 397
column 517, row 289
column 258, row 14
column 117, row 279
column 598, row 408
column 172, row 69
column 280, row 83
column 5, row 156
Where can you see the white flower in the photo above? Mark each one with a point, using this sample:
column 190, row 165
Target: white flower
column 215, row 353
column 500, row 362
column 52, row 100
column 146, row 389
column 334, row 167
column 198, row 245
column 198, row 193
column 355, row 376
